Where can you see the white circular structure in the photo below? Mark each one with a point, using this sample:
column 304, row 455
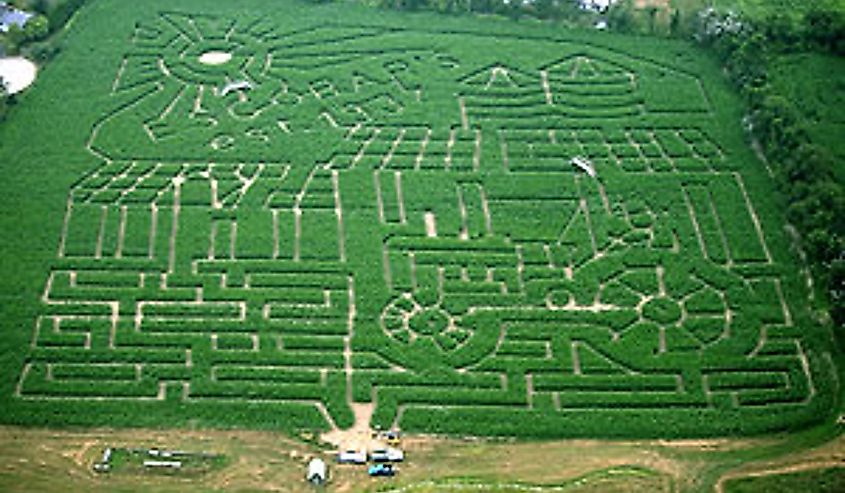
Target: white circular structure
column 17, row 73
column 215, row 57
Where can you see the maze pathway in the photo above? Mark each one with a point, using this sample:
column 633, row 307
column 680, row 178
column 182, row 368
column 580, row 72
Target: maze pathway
column 354, row 213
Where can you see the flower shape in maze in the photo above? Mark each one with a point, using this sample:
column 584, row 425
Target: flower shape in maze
column 406, row 319
column 694, row 301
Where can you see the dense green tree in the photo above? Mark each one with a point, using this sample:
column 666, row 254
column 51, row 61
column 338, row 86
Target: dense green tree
column 837, row 294
column 826, row 28
column 482, row 6
column 815, row 212
column 747, row 64
column 36, row 28
column 545, row 8
column 41, row 6
column 14, row 38
column 675, row 23
column 651, row 15
column 779, row 29
column 620, row 17
column 443, row 6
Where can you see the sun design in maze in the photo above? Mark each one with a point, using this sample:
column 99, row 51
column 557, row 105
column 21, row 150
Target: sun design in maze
column 287, row 220
column 220, row 87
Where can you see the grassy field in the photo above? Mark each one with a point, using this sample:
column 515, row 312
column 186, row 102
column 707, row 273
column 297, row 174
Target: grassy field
column 51, row 461
column 817, row 480
column 349, row 209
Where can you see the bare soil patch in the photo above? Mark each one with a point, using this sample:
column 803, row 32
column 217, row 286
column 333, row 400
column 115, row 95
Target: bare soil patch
column 215, row 58
column 360, row 436
column 660, row 4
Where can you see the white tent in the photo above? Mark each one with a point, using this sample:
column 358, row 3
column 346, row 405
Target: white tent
column 17, row 73
column 316, row 471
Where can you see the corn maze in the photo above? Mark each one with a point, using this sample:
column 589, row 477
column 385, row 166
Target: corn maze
column 346, row 212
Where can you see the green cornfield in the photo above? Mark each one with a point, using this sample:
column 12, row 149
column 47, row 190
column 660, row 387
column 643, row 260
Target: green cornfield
column 262, row 213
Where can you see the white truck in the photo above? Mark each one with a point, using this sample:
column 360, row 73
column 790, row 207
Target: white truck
column 352, row 457
column 389, row 454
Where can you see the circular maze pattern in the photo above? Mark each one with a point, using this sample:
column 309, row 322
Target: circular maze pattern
column 661, row 310
column 405, row 319
column 693, row 301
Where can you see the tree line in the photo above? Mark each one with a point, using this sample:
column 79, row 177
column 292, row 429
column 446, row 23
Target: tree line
column 556, row 10
column 804, row 169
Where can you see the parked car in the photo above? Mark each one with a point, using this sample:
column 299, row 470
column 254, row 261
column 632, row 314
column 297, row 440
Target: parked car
column 381, row 470
column 352, row 457
column 393, row 437
column 389, row 454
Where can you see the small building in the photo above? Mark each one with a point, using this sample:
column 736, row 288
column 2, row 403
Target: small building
column 317, row 472
column 105, row 463
column 10, row 16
